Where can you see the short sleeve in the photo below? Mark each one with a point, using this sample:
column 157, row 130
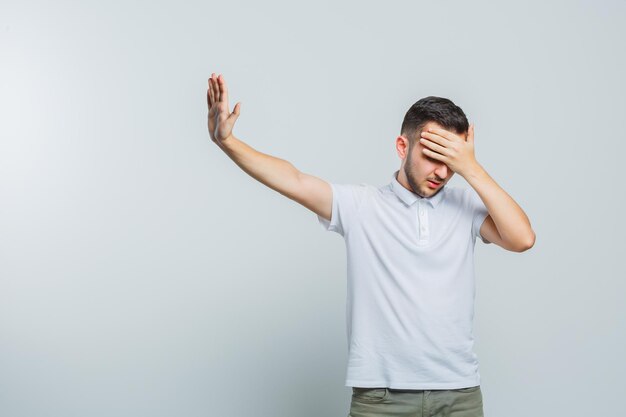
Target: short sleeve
column 479, row 213
column 347, row 199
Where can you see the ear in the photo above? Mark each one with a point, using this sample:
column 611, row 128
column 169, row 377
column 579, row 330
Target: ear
column 402, row 146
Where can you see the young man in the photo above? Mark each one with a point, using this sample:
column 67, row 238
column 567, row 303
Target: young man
column 410, row 249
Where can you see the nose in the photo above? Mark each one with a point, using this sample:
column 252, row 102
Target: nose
column 443, row 171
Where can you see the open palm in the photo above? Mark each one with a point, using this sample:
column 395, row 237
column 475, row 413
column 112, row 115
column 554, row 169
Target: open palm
column 221, row 121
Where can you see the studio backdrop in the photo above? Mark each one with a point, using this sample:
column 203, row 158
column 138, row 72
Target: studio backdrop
column 143, row 273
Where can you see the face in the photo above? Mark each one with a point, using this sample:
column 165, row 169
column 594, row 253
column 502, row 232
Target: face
column 417, row 169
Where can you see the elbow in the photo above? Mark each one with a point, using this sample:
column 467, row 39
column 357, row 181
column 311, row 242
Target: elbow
column 527, row 243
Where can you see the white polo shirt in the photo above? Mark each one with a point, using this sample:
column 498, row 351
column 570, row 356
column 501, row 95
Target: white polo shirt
column 410, row 294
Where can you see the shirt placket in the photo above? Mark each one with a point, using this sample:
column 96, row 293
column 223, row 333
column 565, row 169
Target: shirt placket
column 424, row 230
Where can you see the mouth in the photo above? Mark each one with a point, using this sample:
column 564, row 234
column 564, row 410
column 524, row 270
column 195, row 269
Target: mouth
column 433, row 184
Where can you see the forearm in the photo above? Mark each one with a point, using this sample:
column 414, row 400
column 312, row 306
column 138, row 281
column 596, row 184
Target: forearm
column 512, row 223
column 276, row 173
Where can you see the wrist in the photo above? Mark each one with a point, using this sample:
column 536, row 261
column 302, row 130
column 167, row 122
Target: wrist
column 474, row 171
column 227, row 142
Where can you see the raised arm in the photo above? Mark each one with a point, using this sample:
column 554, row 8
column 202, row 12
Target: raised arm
column 278, row 174
column 506, row 225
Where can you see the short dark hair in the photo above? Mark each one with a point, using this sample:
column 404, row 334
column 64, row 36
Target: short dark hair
column 433, row 109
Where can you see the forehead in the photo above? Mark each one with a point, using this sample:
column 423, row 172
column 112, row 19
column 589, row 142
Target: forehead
column 432, row 125
column 435, row 125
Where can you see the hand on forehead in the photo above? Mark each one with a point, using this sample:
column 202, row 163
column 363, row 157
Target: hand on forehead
column 437, row 129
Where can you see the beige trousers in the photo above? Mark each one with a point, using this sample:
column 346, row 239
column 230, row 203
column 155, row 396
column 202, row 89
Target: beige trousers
column 389, row 402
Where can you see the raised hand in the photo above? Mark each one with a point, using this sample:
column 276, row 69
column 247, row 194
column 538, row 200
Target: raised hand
column 221, row 121
column 453, row 150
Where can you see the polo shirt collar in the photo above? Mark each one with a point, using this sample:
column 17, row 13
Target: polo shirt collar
column 409, row 197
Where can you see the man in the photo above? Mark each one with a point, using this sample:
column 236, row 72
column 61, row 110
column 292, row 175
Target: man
column 410, row 249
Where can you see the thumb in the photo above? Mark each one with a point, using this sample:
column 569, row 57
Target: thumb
column 470, row 134
column 236, row 111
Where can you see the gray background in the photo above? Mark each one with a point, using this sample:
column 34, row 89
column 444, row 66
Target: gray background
column 142, row 273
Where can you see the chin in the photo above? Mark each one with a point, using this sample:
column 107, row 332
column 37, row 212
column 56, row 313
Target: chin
column 429, row 192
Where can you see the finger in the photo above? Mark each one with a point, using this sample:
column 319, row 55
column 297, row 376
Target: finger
column 212, row 89
column 235, row 114
column 444, row 133
column 433, row 154
column 209, row 94
column 435, row 138
column 216, row 91
column 434, row 146
column 223, row 90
